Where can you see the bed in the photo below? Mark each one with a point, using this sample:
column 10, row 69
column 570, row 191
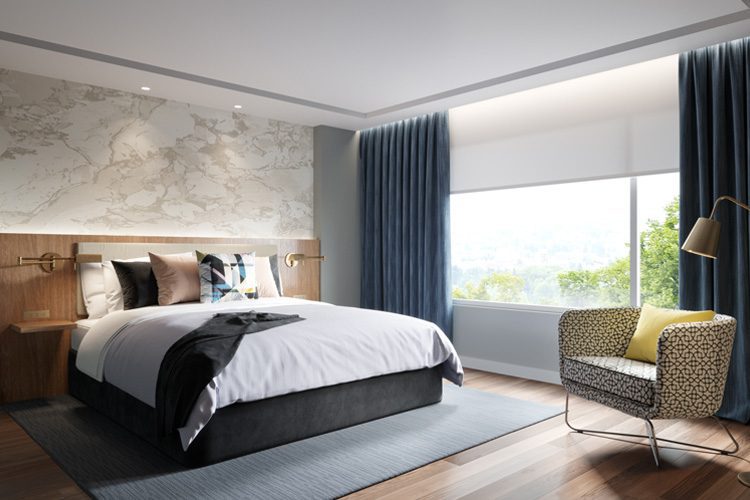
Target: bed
column 338, row 367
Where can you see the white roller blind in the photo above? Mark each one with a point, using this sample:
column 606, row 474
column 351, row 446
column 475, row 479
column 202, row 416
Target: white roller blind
column 620, row 122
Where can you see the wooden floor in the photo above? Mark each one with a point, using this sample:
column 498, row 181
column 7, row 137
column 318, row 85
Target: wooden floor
column 541, row 461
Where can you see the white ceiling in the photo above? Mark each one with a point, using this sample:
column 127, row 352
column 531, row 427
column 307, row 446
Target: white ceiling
column 349, row 63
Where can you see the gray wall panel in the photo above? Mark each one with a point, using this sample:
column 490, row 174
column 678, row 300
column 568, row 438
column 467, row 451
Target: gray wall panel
column 336, row 214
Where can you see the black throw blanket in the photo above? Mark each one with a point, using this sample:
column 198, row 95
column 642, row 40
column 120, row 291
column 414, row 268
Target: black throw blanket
column 194, row 360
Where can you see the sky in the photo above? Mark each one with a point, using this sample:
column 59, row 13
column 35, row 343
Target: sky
column 575, row 225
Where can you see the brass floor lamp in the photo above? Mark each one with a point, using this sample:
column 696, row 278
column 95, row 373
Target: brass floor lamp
column 704, row 240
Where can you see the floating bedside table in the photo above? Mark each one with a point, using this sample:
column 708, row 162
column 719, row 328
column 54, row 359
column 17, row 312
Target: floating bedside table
column 35, row 364
column 42, row 325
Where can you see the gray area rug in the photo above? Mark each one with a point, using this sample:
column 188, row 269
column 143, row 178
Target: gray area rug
column 109, row 462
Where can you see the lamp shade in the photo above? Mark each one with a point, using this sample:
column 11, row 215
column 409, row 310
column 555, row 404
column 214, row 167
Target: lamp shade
column 703, row 238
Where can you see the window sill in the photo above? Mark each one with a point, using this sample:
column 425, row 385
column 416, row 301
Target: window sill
column 486, row 304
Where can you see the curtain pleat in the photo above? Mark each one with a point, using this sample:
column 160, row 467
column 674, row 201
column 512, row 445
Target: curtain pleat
column 405, row 192
column 714, row 136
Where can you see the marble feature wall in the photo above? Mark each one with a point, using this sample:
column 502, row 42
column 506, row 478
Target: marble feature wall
column 76, row 158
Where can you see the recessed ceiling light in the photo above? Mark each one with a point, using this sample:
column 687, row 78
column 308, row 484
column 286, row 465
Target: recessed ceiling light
column 238, row 106
column 146, row 88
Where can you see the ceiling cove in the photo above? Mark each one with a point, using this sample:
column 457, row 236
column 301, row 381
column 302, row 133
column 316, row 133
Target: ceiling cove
column 362, row 110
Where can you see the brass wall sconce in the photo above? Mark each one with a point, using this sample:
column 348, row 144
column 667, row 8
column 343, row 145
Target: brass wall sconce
column 292, row 259
column 48, row 261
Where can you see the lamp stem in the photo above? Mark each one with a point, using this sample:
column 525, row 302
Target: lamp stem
column 743, row 477
column 728, row 198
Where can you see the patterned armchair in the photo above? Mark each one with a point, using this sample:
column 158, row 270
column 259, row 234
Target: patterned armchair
column 687, row 380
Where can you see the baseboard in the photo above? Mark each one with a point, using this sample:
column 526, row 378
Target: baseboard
column 550, row 376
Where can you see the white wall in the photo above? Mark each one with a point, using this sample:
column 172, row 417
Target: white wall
column 619, row 123
column 510, row 341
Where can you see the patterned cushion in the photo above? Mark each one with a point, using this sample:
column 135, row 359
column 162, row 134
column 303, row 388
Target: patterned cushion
column 627, row 378
column 625, row 405
column 227, row 277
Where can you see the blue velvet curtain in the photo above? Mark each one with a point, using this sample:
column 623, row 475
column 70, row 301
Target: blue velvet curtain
column 405, row 182
column 714, row 136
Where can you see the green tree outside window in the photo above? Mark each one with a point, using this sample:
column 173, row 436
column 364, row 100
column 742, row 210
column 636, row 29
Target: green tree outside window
column 605, row 286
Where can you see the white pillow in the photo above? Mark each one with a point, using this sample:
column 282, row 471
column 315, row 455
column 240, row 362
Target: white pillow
column 264, row 278
column 92, row 289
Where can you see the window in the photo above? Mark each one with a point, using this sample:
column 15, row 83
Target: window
column 658, row 233
column 568, row 244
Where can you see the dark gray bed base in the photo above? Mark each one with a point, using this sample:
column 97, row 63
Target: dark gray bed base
column 244, row 428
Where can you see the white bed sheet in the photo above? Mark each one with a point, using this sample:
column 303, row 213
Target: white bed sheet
column 82, row 328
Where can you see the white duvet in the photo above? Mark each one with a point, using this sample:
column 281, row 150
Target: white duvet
column 333, row 345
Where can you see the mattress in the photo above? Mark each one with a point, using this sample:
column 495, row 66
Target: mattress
column 82, row 328
column 333, row 345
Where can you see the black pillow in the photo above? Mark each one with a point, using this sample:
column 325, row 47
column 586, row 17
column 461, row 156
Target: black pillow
column 139, row 288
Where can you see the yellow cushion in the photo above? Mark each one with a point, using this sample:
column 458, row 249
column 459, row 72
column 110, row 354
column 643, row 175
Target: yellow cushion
column 650, row 324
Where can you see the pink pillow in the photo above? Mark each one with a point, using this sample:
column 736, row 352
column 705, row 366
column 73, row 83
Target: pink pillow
column 177, row 278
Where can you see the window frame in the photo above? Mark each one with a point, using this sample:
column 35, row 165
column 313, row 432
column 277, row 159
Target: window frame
column 635, row 249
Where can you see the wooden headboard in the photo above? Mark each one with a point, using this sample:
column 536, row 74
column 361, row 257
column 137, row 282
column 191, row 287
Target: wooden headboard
column 33, row 365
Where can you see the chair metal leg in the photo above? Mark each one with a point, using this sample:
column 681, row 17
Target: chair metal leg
column 653, row 440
